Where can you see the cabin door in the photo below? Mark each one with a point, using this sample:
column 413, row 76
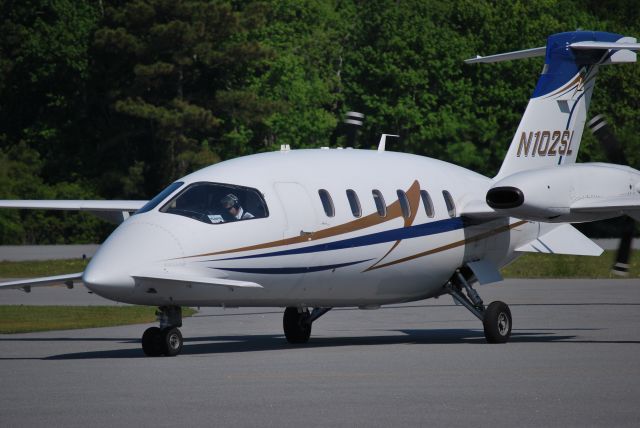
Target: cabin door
column 299, row 227
column 299, row 214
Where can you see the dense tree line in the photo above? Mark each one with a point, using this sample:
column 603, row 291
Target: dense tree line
column 117, row 98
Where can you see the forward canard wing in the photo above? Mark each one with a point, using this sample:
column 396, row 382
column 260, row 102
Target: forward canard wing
column 183, row 277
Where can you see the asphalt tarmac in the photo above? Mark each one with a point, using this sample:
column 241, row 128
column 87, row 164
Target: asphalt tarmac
column 573, row 360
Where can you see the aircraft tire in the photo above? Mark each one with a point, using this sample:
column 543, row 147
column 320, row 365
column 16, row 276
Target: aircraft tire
column 295, row 330
column 152, row 342
column 171, row 341
column 497, row 322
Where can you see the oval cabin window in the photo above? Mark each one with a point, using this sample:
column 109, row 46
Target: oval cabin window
column 427, row 202
column 404, row 204
column 451, row 207
column 380, row 205
column 327, row 203
column 354, row 203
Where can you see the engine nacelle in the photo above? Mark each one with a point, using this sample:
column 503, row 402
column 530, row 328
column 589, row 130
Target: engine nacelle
column 547, row 194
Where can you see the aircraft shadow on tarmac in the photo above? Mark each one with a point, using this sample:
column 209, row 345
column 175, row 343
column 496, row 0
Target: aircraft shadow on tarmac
column 267, row 342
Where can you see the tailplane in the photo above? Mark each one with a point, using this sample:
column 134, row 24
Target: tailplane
column 551, row 128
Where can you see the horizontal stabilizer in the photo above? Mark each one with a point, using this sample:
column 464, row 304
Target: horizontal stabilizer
column 46, row 281
column 183, row 277
column 535, row 52
column 564, row 239
column 604, row 45
column 508, row 56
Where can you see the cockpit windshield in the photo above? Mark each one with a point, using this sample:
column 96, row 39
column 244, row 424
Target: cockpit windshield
column 159, row 197
column 216, row 203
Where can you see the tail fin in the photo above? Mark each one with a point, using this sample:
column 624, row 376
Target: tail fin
column 551, row 128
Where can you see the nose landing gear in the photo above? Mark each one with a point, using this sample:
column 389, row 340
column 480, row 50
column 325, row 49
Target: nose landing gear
column 496, row 318
column 296, row 323
column 166, row 339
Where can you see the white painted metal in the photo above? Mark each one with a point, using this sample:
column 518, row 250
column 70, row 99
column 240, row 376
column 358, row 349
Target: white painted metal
column 574, row 193
column 564, row 239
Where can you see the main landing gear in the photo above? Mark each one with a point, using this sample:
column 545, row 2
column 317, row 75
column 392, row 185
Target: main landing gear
column 297, row 323
column 496, row 318
column 166, row 339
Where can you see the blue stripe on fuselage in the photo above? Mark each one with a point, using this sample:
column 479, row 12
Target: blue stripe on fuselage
column 291, row 270
column 398, row 234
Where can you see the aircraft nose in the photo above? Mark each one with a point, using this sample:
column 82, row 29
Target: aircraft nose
column 132, row 246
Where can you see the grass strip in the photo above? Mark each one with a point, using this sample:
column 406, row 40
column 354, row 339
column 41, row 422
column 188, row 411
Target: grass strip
column 35, row 268
column 25, row 319
column 533, row 265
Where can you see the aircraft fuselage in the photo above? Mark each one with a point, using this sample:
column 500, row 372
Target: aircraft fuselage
column 375, row 251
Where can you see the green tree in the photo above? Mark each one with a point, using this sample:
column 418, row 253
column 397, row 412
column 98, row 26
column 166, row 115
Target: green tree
column 174, row 76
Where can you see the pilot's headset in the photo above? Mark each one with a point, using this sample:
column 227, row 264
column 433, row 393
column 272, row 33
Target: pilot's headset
column 231, row 200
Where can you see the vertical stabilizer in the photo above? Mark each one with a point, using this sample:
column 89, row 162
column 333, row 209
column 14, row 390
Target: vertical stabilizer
column 551, row 128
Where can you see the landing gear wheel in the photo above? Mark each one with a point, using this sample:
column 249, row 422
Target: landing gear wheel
column 171, row 341
column 152, row 342
column 296, row 330
column 497, row 323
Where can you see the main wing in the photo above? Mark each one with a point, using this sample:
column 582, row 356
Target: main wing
column 113, row 211
column 46, row 281
column 155, row 275
column 629, row 205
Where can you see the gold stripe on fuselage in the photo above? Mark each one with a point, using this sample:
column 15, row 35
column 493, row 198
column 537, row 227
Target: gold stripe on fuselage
column 449, row 246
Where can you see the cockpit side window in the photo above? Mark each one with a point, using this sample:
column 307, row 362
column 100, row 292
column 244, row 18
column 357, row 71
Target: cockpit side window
column 159, row 197
column 216, row 203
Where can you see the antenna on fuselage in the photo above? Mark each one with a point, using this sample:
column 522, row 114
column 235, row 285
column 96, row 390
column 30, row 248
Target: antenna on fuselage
column 383, row 141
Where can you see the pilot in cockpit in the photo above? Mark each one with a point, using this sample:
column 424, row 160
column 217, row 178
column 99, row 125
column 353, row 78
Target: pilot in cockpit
column 232, row 203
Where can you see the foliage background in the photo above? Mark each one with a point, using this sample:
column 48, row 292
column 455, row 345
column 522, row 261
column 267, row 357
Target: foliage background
column 117, row 98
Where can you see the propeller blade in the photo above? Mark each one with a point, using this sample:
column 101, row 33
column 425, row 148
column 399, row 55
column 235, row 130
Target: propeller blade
column 349, row 127
column 614, row 153
column 621, row 265
column 612, row 149
column 353, row 123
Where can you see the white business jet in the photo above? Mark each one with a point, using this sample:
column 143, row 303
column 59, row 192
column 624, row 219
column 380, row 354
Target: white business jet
column 311, row 230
